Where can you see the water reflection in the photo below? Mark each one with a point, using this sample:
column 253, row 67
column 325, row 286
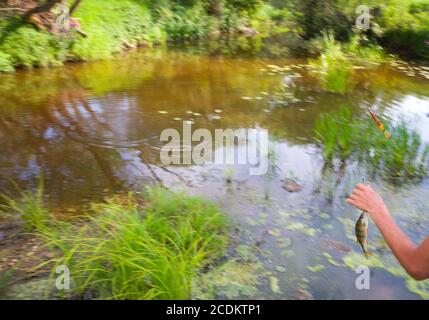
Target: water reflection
column 93, row 129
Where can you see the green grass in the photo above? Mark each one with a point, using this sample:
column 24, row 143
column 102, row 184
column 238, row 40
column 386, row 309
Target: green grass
column 337, row 134
column 140, row 248
column 114, row 25
column 109, row 24
column 29, row 208
column 333, row 65
column 403, row 158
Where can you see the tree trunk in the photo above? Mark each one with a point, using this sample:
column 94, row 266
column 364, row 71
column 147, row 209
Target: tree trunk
column 74, row 6
column 48, row 5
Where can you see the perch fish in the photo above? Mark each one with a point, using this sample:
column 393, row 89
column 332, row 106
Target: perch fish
column 361, row 230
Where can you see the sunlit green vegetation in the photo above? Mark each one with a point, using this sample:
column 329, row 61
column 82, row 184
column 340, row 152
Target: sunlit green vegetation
column 333, row 65
column 402, row 158
column 28, row 208
column 138, row 248
column 399, row 25
column 113, row 26
column 337, row 61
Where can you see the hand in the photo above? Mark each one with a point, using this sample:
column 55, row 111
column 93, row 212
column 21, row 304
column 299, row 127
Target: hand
column 366, row 199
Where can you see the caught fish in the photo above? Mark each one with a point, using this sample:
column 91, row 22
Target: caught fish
column 361, row 230
column 380, row 125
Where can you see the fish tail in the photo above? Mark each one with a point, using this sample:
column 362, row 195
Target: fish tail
column 367, row 254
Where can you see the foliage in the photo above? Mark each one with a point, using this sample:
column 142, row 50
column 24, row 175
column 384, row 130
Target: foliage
column 135, row 248
column 400, row 25
column 183, row 24
column 29, row 208
column 336, row 132
column 332, row 65
column 337, row 61
column 402, row 158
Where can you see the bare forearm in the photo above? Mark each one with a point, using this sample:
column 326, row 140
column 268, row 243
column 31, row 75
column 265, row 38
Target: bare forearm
column 407, row 253
column 415, row 260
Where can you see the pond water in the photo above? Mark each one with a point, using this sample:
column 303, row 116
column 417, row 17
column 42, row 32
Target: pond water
column 94, row 129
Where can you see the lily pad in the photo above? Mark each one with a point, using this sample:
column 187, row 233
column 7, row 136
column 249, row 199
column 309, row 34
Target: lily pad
column 316, row 268
column 274, row 284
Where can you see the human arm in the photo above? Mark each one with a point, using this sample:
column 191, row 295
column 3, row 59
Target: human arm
column 414, row 259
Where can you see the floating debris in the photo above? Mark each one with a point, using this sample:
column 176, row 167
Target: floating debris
column 189, row 112
column 177, row 119
column 247, row 98
column 272, row 66
column 162, row 112
column 197, row 114
column 218, row 111
column 291, row 185
column 274, row 232
column 214, row 117
column 333, row 244
column 304, row 294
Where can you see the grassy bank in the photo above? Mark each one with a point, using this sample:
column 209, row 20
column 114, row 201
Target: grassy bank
column 131, row 247
column 114, row 26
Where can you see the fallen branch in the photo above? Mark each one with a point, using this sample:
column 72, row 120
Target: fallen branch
column 12, row 9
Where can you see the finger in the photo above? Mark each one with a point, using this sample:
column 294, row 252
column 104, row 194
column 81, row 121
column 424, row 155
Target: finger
column 357, row 192
column 355, row 203
column 351, row 201
column 352, row 197
column 361, row 186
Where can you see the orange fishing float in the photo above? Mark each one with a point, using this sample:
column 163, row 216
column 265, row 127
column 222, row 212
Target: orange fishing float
column 380, row 125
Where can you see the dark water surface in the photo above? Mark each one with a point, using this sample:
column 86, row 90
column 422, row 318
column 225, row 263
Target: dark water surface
column 93, row 130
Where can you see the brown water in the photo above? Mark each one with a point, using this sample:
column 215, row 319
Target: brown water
column 93, row 130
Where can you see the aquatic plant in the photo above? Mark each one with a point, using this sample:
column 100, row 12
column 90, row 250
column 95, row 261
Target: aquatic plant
column 337, row 62
column 402, row 158
column 29, row 208
column 337, row 134
column 388, row 263
column 332, row 66
column 229, row 174
column 231, row 280
column 133, row 248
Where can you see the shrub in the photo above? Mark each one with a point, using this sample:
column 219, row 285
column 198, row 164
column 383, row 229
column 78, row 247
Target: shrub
column 133, row 248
